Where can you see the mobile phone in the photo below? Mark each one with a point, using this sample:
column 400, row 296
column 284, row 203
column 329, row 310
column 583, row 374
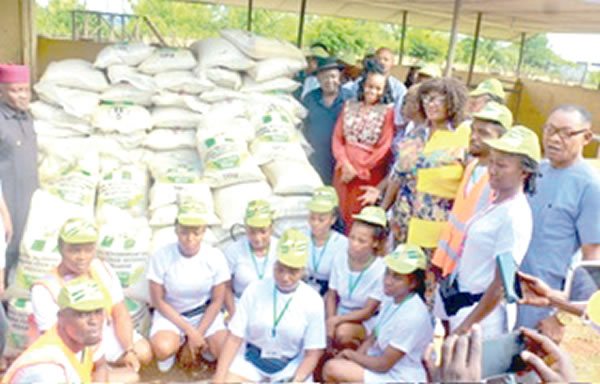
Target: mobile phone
column 508, row 271
column 502, row 354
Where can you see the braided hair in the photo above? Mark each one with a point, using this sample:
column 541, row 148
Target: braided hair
column 374, row 66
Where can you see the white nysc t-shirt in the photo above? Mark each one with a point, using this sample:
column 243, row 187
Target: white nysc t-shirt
column 323, row 257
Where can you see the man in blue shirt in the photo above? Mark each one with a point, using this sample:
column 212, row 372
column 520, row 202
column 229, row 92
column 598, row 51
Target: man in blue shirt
column 566, row 208
column 324, row 105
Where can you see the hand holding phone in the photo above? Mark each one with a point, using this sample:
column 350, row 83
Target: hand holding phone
column 502, row 355
column 508, row 271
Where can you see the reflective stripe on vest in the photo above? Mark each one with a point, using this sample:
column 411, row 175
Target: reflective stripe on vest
column 50, row 349
column 465, row 206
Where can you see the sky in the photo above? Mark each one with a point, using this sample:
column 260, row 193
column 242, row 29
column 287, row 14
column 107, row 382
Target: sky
column 574, row 47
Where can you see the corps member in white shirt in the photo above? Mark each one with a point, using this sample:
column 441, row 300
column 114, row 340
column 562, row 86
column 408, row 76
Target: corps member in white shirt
column 187, row 287
column 355, row 286
column 278, row 331
column 325, row 243
column 251, row 257
column 402, row 331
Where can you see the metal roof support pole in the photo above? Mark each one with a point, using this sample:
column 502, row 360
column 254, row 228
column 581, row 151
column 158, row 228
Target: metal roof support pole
column 250, row 10
column 453, row 38
column 301, row 23
column 474, row 50
column 402, row 37
column 521, row 54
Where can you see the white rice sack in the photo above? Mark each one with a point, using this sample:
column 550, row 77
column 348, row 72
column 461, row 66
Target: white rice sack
column 170, row 139
column 75, row 73
column 168, row 59
column 261, row 47
column 124, row 92
column 227, row 117
column 218, row 52
column 75, row 102
column 17, row 337
column 125, row 188
column 290, row 206
column 291, row 177
column 38, row 249
column 70, row 169
column 172, row 99
column 45, row 129
column 183, row 81
column 280, row 84
column 231, row 201
column 174, row 117
column 125, row 74
column 164, row 199
column 223, row 77
column 226, row 161
column 283, row 224
column 123, row 53
column 221, row 94
column 133, row 141
column 176, row 167
column 125, row 245
column 276, row 137
column 121, row 118
column 114, row 155
column 273, row 68
column 286, row 102
column 58, row 117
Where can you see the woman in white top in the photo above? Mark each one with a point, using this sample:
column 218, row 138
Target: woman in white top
column 472, row 294
column 392, row 351
column 251, row 257
column 325, row 243
column 187, row 287
column 278, row 330
column 355, row 286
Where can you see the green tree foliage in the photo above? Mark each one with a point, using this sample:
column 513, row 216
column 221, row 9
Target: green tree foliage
column 427, row 45
column 55, row 18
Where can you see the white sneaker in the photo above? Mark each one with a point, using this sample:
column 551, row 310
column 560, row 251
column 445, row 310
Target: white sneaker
column 166, row 365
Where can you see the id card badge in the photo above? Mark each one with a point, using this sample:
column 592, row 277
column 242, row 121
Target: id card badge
column 271, row 349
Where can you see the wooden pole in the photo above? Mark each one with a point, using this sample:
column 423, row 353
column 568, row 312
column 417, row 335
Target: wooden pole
column 453, row 38
column 301, row 23
column 250, row 10
column 402, row 37
column 521, row 54
column 474, row 50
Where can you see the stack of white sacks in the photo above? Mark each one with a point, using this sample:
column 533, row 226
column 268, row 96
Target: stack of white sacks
column 122, row 140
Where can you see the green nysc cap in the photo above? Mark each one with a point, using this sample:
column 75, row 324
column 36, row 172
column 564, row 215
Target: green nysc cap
column 324, row 200
column 78, row 230
column 496, row 112
column 192, row 213
column 373, row 215
column 406, row 258
column 518, row 140
column 258, row 214
column 81, row 294
column 292, row 249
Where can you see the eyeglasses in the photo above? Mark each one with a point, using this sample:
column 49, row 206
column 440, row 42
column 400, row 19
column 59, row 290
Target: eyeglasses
column 563, row 133
column 438, row 99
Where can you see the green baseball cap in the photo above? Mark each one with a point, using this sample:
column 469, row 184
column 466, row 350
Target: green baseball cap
column 431, row 70
column 78, row 230
column 518, row 140
column 489, row 86
column 81, row 294
column 324, row 200
column 496, row 112
column 292, row 249
column 258, row 214
column 372, row 215
column 406, row 258
column 192, row 213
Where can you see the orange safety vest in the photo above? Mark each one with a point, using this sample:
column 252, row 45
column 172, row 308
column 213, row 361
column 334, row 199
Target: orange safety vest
column 465, row 206
column 50, row 349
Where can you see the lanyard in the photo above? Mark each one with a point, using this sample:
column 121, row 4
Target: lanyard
column 316, row 263
column 261, row 272
column 383, row 319
column 353, row 284
column 276, row 317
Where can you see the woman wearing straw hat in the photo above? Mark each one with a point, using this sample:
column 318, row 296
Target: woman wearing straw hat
column 402, row 331
column 187, row 286
column 278, row 330
column 252, row 256
column 355, row 287
column 473, row 292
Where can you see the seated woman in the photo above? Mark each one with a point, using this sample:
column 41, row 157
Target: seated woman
column 187, row 287
column 325, row 243
column 252, row 256
column 278, row 330
column 392, row 351
column 355, row 287
column 472, row 293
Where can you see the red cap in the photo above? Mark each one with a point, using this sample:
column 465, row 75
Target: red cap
column 10, row 73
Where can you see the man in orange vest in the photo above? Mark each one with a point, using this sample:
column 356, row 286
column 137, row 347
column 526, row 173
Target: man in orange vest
column 473, row 193
column 64, row 353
